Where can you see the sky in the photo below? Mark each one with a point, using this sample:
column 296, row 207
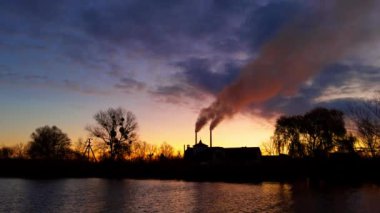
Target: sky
column 247, row 62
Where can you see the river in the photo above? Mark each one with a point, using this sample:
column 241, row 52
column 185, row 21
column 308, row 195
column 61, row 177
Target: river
column 126, row 195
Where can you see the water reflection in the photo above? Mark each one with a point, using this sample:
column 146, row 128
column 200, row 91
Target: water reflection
column 40, row 194
column 335, row 198
column 228, row 197
column 102, row 195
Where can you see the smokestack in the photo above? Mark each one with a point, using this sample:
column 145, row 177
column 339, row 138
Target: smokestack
column 210, row 137
column 196, row 139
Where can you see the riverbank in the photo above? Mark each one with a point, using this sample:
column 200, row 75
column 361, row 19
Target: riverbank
column 266, row 169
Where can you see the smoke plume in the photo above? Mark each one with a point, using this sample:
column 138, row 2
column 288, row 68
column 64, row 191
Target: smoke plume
column 299, row 51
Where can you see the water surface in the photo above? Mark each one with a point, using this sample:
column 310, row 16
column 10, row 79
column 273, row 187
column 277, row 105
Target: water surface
column 107, row 195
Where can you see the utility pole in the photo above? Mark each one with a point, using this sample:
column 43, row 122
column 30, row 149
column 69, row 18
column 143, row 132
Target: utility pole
column 88, row 150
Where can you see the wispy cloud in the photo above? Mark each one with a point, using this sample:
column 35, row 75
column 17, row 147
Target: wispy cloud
column 178, row 94
column 130, row 85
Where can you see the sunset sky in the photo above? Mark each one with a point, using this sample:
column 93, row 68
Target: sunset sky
column 165, row 60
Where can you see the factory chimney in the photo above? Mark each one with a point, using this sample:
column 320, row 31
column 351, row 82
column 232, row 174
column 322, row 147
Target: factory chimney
column 210, row 137
column 196, row 135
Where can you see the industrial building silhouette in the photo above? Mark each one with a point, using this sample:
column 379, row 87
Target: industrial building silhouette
column 203, row 153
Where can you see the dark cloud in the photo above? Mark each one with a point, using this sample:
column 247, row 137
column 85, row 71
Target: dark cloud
column 33, row 17
column 343, row 104
column 198, row 73
column 264, row 22
column 345, row 79
column 170, row 27
column 197, row 78
column 89, row 33
column 164, row 26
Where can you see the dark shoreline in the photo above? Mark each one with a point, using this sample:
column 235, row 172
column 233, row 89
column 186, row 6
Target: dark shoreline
column 267, row 169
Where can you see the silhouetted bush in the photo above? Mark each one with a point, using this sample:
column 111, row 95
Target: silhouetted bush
column 6, row 152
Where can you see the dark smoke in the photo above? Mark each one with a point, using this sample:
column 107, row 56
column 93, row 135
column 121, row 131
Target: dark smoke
column 300, row 50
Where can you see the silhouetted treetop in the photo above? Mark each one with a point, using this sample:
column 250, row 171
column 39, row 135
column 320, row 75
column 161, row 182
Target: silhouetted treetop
column 48, row 143
column 287, row 135
column 117, row 129
column 321, row 126
column 317, row 132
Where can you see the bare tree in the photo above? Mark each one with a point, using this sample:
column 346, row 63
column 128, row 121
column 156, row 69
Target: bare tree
column 140, row 150
column 366, row 117
column 373, row 105
column 19, row 150
column 166, row 150
column 117, row 129
column 346, row 144
column 151, row 151
column 79, row 145
column 269, row 147
column 101, row 149
column 16, row 151
column 79, row 150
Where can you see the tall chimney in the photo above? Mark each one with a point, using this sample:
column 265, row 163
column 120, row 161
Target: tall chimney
column 196, row 138
column 210, row 138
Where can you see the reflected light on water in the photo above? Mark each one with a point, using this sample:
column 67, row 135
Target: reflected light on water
column 107, row 195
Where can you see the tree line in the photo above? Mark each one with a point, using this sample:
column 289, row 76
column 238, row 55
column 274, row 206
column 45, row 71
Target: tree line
column 115, row 138
column 316, row 133
column 322, row 131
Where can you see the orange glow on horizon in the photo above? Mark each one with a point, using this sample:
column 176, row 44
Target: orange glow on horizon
column 170, row 123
